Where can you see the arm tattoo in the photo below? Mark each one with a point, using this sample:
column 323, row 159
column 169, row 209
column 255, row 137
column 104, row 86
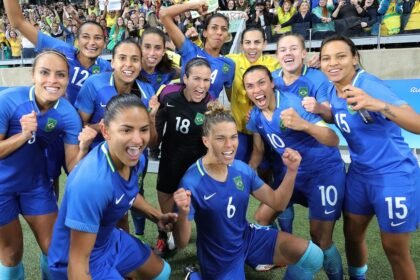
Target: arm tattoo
column 387, row 111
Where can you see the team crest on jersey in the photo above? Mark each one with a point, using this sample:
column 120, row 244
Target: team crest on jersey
column 225, row 68
column 350, row 109
column 159, row 79
column 199, row 119
column 96, row 69
column 282, row 126
column 303, row 91
column 50, row 125
column 238, row 183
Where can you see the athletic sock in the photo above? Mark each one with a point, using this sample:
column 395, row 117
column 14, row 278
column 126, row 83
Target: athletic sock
column 333, row 266
column 358, row 273
column 45, row 270
column 307, row 266
column 12, row 272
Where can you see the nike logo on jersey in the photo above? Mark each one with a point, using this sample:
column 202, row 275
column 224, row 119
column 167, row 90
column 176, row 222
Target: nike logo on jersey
column 102, row 105
column 169, row 105
column 260, row 127
column 207, row 197
column 132, row 201
column 397, row 224
column 200, row 56
column 328, row 212
column 118, row 200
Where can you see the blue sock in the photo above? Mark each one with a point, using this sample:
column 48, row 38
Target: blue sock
column 12, row 272
column 358, row 273
column 45, row 270
column 332, row 263
column 285, row 219
column 194, row 276
column 308, row 265
column 139, row 221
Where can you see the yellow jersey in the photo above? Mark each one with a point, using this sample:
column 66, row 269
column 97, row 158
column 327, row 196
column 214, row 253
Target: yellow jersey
column 240, row 103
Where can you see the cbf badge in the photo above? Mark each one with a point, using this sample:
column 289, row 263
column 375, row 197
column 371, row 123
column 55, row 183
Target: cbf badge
column 199, row 119
column 350, row 109
column 282, row 126
column 303, row 91
column 225, row 68
column 238, row 183
column 50, row 125
column 95, row 69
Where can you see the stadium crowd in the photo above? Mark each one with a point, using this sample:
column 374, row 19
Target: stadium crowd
column 102, row 121
column 314, row 19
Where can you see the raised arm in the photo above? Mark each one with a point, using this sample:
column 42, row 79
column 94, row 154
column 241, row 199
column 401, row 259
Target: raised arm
column 17, row 20
column 168, row 14
column 279, row 199
column 182, row 228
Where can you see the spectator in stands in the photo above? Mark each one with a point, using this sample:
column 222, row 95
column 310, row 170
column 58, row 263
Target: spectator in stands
column 132, row 31
column 326, row 27
column 243, row 5
column 117, row 33
column 111, row 17
column 301, row 22
column 370, row 17
column 284, row 13
column 56, row 30
column 231, row 5
column 15, row 42
column 262, row 18
column 347, row 18
column 391, row 20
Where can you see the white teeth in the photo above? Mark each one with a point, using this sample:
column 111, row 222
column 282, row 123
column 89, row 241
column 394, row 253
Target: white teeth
column 227, row 153
column 128, row 72
column 51, row 89
column 252, row 53
column 133, row 152
column 259, row 97
column 288, row 60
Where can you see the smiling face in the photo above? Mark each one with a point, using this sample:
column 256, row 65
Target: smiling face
column 126, row 62
column 197, row 83
column 50, row 75
column 338, row 62
column 222, row 142
column 127, row 135
column 291, row 53
column 259, row 88
column 153, row 50
column 253, row 44
column 91, row 40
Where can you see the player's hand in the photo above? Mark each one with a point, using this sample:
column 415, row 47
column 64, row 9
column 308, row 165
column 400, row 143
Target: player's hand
column 191, row 33
column 153, row 106
column 200, row 6
column 314, row 61
column 291, row 159
column 292, row 120
column 359, row 99
column 86, row 137
column 182, row 199
column 29, row 125
column 311, row 105
column 166, row 221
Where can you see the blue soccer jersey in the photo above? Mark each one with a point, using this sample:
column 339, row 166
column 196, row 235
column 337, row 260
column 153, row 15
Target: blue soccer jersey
column 219, row 210
column 376, row 147
column 93, row 204
column 158, row 79
column 279, row 137
column 30, row 159
column 222, row 68
column 311, row 83
column 96, row 93
column 78, row 73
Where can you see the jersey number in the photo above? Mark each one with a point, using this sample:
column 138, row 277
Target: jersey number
column 231, row 209
column 328, row 195
column 182, row 125
column 213, row 76
column 340, row 120
column 275, row 141
column 397, row 204
column 76, row 73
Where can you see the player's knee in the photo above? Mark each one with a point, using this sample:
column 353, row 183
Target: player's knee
column 312, row 259
column 165, row 273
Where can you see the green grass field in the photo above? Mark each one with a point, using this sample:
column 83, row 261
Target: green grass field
column 378, row 264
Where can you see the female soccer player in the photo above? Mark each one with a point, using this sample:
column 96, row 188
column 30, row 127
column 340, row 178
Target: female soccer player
column 31, row 119
column 83, row 61
column 100, row 88
column 215, row 192
column 280, row 120
column 86, row 244
column 215, row 34
column 157, row 67
column 383, row 177
column 182, row 113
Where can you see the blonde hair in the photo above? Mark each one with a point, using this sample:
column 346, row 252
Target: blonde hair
column 216, row 113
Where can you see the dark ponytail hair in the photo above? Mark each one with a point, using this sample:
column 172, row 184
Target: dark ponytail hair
column 119, row 103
